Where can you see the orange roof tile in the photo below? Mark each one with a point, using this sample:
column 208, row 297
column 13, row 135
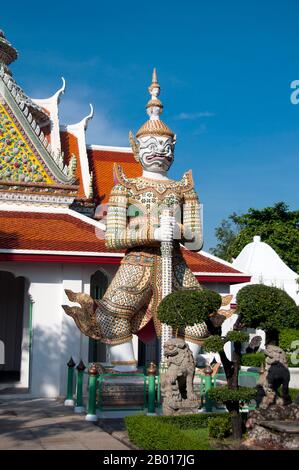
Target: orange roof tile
column 101, row 164
column 199, row 263
column 52, row 232
column 47, row 232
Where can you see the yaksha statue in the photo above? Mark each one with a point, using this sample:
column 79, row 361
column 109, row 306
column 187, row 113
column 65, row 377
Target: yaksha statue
column 136, row 222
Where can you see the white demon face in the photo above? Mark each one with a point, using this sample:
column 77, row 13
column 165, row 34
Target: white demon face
column 156, row 153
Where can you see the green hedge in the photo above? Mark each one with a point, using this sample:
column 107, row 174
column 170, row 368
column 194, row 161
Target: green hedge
column 220, row 426
column 151, row 433
column 286, row 337
column 294, row 392
column 256, row 359
column 237, row 336
column 225, row 394
column 194, row 421
column 171, row 432
column 168, row 432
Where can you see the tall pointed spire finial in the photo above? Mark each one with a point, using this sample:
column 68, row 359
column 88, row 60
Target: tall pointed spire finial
column 154, row 88
column 7, row 52
column 154, row 107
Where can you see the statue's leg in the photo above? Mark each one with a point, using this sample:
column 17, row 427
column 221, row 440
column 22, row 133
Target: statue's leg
column 122, row 356
column 127, row 294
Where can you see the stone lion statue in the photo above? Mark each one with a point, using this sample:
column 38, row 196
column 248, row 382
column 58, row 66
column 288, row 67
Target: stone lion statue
column 276, row 375
column 177, row 382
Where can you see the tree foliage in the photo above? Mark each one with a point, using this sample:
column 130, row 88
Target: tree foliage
column 277, row 226
column 225, row 394
column 187, row 307
column 237, row 336
column 214, row 344
column 266, row 307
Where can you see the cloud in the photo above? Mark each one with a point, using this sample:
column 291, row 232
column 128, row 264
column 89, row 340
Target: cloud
column 193, row 116
column 74, row 106
column 202, row 129
column 101, row 130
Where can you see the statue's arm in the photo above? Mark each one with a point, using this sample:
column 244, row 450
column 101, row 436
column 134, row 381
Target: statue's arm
column 120, row 232
column 192, row 224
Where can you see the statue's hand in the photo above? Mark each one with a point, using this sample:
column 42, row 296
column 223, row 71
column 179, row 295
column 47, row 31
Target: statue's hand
column 165, row 232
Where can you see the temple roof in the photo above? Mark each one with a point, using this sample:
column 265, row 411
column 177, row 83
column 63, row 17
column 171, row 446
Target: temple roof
column 101, row 162
column 55, row 236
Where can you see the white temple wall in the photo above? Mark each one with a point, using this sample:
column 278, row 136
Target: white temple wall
column 55, row 337
column 220, row 287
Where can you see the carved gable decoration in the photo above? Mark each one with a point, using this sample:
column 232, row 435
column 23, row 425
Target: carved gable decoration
column 18, row 162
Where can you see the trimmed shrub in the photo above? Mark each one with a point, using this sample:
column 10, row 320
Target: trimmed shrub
column 237, row 336
column 286, row 337
column 294, row 392
column 220, row 427
column 289, row 359
column 171, row 432
column 225, row 394
column 151, row 433
column 187, row 307
column 268, row 308
column 256, row 359
column 195, row 421
column 214, row 343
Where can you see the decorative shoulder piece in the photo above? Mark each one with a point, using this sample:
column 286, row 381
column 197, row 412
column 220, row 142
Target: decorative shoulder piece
column 134, row 146
column 187, row 183
column 120, row 177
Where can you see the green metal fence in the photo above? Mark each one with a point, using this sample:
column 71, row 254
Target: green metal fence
column 97, row 386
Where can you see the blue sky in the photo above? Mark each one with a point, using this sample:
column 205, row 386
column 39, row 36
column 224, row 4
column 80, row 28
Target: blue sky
column 225, row 70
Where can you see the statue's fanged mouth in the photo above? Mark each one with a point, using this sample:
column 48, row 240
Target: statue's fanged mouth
column 158, row 157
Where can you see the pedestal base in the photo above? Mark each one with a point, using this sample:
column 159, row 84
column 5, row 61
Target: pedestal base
column 184, row 407
column 69, row 403
column 91, row 418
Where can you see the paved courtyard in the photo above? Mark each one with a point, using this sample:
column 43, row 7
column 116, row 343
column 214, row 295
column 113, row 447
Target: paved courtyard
column 48, row 425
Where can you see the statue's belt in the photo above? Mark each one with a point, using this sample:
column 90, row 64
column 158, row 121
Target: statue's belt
column 147, row 258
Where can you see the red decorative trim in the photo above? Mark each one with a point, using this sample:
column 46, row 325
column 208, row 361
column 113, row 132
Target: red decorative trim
column 115, row 260
column 226, row 278
column 27, row 258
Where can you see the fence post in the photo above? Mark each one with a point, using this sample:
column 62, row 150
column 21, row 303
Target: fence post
column 69, row 401
column 208, row 385
column 151, row 373
column 92, row 393
column 79, row 408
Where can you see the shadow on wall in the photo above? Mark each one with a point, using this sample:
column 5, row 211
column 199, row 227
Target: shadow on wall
column 52, row 347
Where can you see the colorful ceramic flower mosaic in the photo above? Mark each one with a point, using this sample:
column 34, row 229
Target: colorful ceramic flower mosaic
column 17, row 160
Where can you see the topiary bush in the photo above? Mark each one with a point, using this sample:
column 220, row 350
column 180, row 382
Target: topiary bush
column 237, row 336
column 268, row 308
column 169, row 432
column 214, row 344
column 152, row 433
column 256, row 359
column 225, row 394
column 220, row 427
column 286, row 337
column 192, row 421
column 187, row 307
